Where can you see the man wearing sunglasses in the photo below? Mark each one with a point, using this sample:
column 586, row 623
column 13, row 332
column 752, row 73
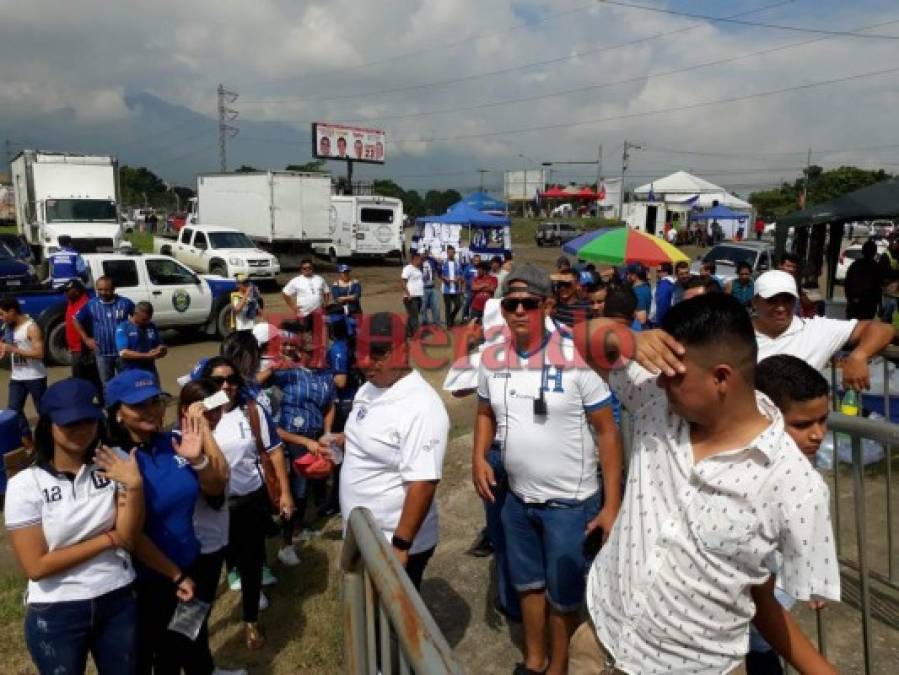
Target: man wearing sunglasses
column 306, row 294
column 570, row 307
column 539, row 404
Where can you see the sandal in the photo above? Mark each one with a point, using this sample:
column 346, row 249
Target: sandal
column 254, row 637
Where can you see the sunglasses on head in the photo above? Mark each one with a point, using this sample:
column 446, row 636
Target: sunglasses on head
column 221, row 379
column 511, row 304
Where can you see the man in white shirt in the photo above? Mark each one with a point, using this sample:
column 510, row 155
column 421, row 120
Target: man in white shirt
column 815, row 341
column 412, row 284
column 716, row 493
column 395, row 440
column 306, row 293
column 539, row 400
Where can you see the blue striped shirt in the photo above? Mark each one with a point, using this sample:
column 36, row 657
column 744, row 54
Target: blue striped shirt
column 306, row 397
column 101, row 319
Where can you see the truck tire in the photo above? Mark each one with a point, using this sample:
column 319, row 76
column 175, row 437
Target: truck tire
column 332, row 256
column 53, row 325
column 219, row 268
column 166, row 250
column 223, row 315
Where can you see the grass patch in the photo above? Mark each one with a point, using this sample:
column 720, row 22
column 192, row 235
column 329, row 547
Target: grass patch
column 12, row 588
column 142, row 241
column 9, row 229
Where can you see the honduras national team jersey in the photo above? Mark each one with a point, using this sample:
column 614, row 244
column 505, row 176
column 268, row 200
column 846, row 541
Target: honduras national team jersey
column 307, row 395
column 136, row 339
column 101, row 319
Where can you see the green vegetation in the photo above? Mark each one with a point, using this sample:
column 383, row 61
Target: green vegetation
column 142, row 241
column 822, row 186
column 140, row 186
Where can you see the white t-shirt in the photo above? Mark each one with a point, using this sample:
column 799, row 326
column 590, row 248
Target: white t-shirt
column 413, row 278
column 22, row 367
column 235, row 438
column 550, row 456
column 394, row 436
column 69, row 511
column 308, row 291
column 814, row 341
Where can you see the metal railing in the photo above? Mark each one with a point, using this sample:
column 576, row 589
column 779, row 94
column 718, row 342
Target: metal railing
column 859, row 569
column 387, row 627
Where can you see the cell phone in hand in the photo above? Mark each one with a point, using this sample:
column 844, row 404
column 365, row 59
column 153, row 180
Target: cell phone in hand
column 219, row 398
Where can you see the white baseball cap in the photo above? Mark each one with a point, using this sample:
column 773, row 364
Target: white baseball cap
column 774, row 283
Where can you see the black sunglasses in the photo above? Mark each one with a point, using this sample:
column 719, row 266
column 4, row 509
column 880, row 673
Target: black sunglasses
column 511, row 304
column 564, row 284
column 221, row 379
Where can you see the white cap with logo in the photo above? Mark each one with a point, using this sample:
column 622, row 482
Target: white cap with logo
column 774, row 283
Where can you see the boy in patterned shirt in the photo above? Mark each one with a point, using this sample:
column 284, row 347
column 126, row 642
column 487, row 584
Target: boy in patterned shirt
column 717, row 496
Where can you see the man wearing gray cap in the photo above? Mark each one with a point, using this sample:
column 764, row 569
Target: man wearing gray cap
column 537, row 400
column 779, row 331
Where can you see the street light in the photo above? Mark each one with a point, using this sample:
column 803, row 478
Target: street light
column 625, row 155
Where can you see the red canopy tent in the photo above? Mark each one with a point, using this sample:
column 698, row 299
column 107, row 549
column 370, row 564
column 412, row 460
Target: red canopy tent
column 585, row 193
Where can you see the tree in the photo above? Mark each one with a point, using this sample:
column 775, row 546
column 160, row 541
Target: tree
column 243, row 168
column 315, row 166
column 437, row 202
column 822, row 186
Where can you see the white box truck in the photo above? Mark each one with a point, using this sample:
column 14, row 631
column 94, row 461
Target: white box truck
column 65, row 193
column 283, row 212
column 364, row 227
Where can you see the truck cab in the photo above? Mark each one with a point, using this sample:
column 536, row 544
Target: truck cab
column 224, row 251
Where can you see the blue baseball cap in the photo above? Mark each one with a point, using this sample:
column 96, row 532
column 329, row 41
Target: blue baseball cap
column 132, row 387
column 71, row 400
column 343, row 268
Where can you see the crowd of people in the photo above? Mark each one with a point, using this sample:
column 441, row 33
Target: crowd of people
column 661, row 560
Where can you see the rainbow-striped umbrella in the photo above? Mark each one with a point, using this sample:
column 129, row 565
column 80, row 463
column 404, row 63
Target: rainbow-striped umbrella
column 621, row 246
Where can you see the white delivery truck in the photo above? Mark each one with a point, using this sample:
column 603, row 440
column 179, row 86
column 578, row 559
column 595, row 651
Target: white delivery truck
column 361, row 227
column 65, row 193
column 283, row 212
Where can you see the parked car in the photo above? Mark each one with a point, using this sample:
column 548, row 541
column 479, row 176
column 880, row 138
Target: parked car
column 852, row 253
column 15, row 273
column 224, row 251
column 18, row 245
column 556, row 234
column 728, row 255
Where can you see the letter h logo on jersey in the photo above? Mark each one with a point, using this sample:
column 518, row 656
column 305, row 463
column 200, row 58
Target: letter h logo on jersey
column 553, row 373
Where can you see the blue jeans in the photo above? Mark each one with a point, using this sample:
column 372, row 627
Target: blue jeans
column 59, row 635
column 545, row 546
column 108, row 367
column 430, row 307
column 507, row 596
column 19, row 391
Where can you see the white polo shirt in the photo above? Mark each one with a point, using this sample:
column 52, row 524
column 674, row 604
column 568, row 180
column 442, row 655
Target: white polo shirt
column 235, row 439
column 814, row 341
column 550, row 456
column 670, row 590
column 414, row 280
column 394, row 436
column 308, row 291
column 69, row 511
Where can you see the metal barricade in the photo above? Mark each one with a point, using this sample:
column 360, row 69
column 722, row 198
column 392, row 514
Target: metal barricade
column 387, row 627
column 858, row 429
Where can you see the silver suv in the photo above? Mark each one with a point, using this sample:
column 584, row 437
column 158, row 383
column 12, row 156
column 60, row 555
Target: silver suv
column 729, row 254
column 549, row 234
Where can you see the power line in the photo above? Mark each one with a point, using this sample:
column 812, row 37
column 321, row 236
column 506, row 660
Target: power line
column 474, row 37
column 756, row 24
column 653, row 148
column 613, row 83
column 650, row 113
column 502, row 71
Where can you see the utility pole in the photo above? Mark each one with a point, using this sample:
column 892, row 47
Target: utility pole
column 808, row 179
column 625, row 156
column 482, row 172
column 226, row 131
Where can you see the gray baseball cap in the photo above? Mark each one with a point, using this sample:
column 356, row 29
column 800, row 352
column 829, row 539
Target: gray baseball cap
column 535, row 279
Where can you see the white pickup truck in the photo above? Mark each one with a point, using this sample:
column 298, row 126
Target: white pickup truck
column 181, row 299
column 224, row 251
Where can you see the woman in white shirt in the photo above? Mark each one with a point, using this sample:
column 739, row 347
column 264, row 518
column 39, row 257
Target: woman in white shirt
column 71, row 517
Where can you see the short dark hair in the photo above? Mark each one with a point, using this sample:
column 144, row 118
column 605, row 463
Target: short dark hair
column 105, row 277
column 621, row 303
column 507, row 255
column 9, row 302
column 484, row 267
column 666, row 268
column 786, row 379
column 869, row 249
column 307, row 261
column 496, row 259
column 743, row 265
column 64, row 240
column 710, row 266
column 144, row 306
column 681, row 264
column 716, row 320
column 709, row 284
column 790, row 257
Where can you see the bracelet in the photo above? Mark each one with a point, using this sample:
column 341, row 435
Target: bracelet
column 202, row 464
column 111, row 539
column 400, row 544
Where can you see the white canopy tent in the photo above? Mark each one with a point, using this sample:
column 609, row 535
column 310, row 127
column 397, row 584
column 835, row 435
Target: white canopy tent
column 680, row 187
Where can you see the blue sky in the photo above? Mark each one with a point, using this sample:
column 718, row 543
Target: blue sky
column 457, row 84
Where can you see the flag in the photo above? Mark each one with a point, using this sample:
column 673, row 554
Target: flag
column 601, row 192
column 651, row 197
column 692, row 200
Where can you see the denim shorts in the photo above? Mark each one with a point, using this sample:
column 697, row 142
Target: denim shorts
column 545, row 547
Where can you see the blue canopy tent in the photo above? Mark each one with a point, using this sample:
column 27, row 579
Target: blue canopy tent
column 484, row 202
column 719, row 212
column 488, row 234
column 730, row 221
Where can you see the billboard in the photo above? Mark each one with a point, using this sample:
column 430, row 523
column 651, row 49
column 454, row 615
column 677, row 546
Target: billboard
column 524, row 185
column 339, row 141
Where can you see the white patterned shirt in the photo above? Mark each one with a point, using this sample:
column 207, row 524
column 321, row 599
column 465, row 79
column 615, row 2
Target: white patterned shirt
column 670, row 591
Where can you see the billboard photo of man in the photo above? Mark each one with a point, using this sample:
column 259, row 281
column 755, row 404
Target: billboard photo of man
column 357, row 148
column 379, row 151
column 341, row 147
column 324, row 146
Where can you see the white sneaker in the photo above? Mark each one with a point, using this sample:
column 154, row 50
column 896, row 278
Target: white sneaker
column 263, row 601
column 225, row 671
column 288, row 556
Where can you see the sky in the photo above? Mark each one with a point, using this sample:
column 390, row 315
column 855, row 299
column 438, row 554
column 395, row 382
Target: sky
column 461, row 85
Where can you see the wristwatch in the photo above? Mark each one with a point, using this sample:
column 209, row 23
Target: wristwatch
column 400, row 544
